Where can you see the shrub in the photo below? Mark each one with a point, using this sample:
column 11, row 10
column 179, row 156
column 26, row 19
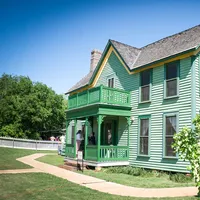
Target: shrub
column 180, row 178
column 187, row 145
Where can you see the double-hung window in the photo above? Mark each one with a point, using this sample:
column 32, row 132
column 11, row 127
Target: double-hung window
column 144, row 136
column 111, row 81
column 171, row 79
column 170, row 129
column 145, row 86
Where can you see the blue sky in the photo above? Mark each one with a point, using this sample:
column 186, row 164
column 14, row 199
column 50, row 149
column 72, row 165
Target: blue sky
column 50, row 40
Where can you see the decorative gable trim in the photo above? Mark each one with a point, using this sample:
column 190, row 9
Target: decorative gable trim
column 110, row 48
column 98, row 74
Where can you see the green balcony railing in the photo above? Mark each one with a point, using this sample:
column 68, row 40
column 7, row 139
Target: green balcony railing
column 101, row 94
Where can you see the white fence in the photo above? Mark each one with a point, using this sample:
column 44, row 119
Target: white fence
column 29, row 144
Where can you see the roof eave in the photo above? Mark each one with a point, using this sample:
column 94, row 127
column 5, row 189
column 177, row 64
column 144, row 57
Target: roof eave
column 164, row 59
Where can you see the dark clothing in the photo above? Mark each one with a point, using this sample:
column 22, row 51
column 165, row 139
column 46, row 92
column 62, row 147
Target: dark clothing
column 92, row 140
column 81, row 145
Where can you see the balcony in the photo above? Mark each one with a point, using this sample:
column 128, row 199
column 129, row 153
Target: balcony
column 99, row 95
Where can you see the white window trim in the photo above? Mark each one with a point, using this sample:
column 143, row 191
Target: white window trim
column 170, row 114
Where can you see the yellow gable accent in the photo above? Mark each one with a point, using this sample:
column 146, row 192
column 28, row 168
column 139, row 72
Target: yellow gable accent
column 167, row 61
column 111, row 49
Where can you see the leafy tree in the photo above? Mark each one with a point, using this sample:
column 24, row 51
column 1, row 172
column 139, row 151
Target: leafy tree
column 187, row 145
column 28, row 109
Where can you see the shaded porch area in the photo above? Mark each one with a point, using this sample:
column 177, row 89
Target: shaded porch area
column 111, row 146
column 108, row 118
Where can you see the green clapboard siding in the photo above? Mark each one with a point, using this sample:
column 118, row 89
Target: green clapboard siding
column 156, row 108
column 197, row 80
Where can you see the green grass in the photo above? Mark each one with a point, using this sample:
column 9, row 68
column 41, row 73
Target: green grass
column 39, row 186
column 8, row 157
column 137, row 181
column 55, row 160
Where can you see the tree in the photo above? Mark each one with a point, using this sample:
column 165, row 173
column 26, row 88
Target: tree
column 27, row 108
column 187, row 145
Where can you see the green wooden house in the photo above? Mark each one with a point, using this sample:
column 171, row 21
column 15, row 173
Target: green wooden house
column 135, row 100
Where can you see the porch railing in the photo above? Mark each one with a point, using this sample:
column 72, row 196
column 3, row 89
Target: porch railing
column 113, row 153
column 91, row 153
column 101, row 94
column 107, row 153
column 69, row 151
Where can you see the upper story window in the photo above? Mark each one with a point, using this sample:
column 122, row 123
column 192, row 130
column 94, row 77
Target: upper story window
column 111, row 81
column 171, row 79
column 145, row 85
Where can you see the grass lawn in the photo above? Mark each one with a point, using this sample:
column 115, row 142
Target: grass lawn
column 8, row 157
column 136, row 181
column 39, row 186
column 52, row 159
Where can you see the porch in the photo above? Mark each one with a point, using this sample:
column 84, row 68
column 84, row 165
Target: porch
column 106, row 112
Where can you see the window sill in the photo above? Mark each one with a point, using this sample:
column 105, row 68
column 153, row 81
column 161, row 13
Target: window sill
column 142, row 102
column 171, row 97
column 170, row 157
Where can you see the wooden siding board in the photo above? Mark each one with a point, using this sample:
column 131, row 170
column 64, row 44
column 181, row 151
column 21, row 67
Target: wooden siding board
column 156, row 108
column 197, row 79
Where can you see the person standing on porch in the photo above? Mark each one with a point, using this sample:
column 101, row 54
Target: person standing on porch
column 78, row 140
column 92, row 139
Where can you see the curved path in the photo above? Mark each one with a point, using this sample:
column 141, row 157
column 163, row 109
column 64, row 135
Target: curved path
column 104, row 186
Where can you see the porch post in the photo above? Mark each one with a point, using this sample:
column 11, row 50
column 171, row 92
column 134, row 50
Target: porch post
column 66, row 135
column 99, row 121
column 86, row 137
column 75, row 130
column 128, row 138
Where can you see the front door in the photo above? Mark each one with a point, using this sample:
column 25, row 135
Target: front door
column 109, row 133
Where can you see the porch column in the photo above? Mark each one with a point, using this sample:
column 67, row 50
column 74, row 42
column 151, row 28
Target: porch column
column 66, row 135
column 75, row 131
column 86, row 137
column 99, row 121
column 128, row 138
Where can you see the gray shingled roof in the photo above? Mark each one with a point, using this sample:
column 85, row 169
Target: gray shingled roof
column 138, row 57
column 84, row 81
column 168, row 46
column 127, row 52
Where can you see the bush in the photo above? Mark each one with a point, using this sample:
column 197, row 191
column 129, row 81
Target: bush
column 134, row 171
column 180, row 178
column 11, row 130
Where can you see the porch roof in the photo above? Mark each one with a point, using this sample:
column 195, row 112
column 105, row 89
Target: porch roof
column 99, row 109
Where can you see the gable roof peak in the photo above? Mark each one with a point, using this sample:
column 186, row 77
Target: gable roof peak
column 121, row 43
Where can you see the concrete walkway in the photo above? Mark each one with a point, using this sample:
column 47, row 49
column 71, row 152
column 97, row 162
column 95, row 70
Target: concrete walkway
column 104, row 186
column 19, row 171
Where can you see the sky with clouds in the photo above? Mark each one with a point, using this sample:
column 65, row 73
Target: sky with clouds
column 51, row 40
